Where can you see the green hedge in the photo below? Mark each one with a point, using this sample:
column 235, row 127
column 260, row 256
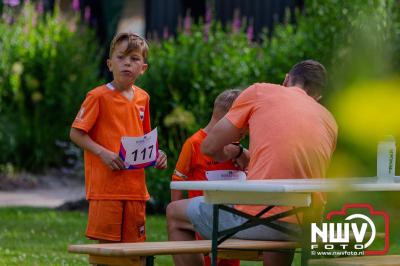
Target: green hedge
column 48, row 62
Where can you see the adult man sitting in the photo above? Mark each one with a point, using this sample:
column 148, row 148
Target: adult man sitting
column 291, row 136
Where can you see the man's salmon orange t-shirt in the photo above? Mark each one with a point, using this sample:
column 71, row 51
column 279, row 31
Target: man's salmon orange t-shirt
column 106, row 116
column 291, row 135
column 192, row 163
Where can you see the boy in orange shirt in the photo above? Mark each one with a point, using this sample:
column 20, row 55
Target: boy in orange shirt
column 117, row 197
column 193, row 165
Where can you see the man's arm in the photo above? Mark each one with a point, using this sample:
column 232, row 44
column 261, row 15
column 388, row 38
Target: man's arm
column 83, row 140
column 218, row 145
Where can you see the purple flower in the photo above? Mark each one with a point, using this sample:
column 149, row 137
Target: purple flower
column 34, row 19
column 75, row 5
column 11, row 3
column 207, row 24
column 40, row 7
column 165, row 33
column 188, row 23
column 250, row 33
column 206, row 31
column 208, row 16
column 8, row 19
column 87, row 14
column 236, row 23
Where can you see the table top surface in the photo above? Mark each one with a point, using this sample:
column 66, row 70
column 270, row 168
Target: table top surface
column 291, row 185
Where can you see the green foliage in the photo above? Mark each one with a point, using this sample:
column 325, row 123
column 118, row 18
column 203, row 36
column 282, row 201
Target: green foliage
column 185, row 75
column 48, row 62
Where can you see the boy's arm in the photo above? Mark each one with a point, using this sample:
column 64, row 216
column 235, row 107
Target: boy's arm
column 176, row 195
column 182, row 169
column 83, row 140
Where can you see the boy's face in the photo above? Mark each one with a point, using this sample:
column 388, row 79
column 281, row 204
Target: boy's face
column 126, row 68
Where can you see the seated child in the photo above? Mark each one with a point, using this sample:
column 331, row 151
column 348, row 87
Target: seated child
column 192, row 165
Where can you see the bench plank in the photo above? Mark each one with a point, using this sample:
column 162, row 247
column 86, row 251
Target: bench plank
column 386, row 260
column 176, row 247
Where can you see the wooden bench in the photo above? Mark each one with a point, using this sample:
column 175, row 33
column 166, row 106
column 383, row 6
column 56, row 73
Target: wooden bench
column 386, row 260
column 133, row 253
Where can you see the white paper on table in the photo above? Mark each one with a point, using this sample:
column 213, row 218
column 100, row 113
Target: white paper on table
column 225, row 175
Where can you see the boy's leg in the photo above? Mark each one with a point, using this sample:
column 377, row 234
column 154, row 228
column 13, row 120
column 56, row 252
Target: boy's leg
column 133, row 221
column 181, row 229
column 278, row 258
column 221, row 262
column 104, row 220
column 231, row 262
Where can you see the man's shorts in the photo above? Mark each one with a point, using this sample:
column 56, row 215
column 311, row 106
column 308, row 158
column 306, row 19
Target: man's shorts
column 201, row 216
column 116, row 220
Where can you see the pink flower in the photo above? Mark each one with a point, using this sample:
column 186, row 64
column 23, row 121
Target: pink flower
column 208, row 16
column 236, row 23
column 11, row 3
column 165, row 33
column 207, row 24
column 87, row 14
column 40, row 7
column 75, row 5
column 188, row 23
column 250, row 33
column 206, row 31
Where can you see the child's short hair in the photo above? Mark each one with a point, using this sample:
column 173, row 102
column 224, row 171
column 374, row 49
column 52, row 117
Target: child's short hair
column 224, row 100
column 135, row 43
column 311, row 75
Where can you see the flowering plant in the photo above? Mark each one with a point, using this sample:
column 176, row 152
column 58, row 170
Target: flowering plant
column 48, row 62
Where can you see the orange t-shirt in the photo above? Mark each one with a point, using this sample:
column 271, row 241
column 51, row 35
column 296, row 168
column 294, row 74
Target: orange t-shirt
column 193, row 164
column 106, row 115
column 291, row 135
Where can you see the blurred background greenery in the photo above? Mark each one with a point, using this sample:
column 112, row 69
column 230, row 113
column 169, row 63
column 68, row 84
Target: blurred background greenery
column 49, row 61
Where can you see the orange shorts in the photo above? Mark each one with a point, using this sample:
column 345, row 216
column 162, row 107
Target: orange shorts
column 117, row 220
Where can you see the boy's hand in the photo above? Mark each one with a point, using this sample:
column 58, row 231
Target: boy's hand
column 231, row 151
column 112, row 160
column 161, row 162
column 243, row 160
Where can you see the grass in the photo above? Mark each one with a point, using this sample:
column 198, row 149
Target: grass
column 31, row 236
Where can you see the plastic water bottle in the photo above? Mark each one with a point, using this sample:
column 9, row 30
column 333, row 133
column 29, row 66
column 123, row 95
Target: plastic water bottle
column 386, row 159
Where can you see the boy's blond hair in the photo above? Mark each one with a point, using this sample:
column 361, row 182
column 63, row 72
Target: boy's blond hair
column 224, row 101
column 135, row 43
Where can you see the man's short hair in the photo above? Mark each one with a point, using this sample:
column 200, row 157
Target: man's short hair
column 135, row 43
column 225, row 99
column 310, row 75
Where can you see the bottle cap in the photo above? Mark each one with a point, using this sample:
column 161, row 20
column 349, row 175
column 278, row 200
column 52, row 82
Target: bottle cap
column 388, row 138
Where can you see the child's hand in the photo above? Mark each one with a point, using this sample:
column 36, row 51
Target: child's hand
column 243, row 161
column 161, row 162
column 112, row 160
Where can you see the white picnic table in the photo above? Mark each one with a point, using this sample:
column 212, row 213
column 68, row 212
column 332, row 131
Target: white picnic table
column 277, row 192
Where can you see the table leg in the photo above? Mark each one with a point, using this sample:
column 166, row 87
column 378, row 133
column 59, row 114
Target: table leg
column 214, row 243
column 308, row 218
column 150, row 261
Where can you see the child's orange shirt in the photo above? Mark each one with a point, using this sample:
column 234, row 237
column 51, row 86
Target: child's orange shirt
column 106, row 115
column 192, row 164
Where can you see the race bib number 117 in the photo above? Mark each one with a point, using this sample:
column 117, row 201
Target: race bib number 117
column 139, row 152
